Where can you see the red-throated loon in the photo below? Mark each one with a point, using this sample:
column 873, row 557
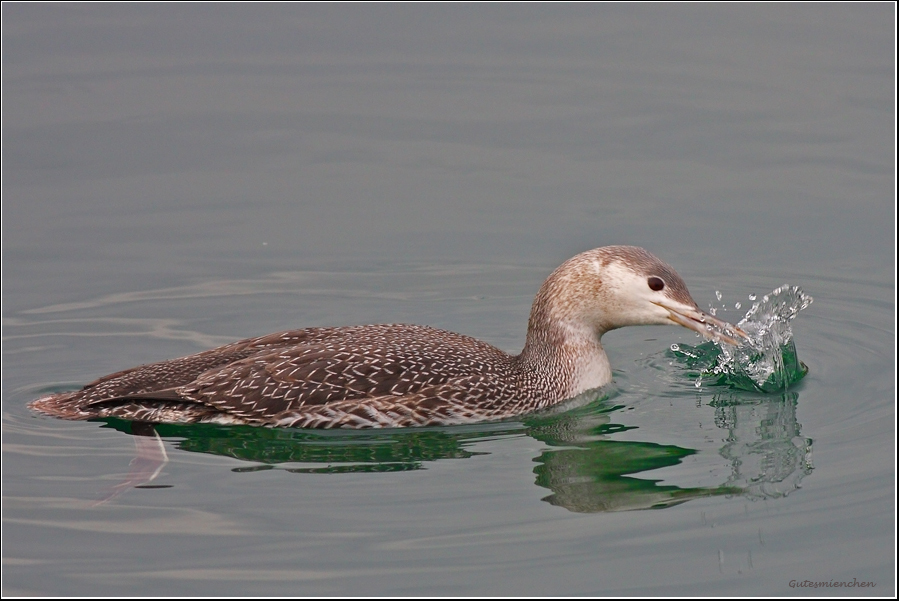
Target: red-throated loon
column 406, row 375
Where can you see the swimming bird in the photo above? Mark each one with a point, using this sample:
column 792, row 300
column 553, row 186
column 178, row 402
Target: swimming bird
column 396, row 375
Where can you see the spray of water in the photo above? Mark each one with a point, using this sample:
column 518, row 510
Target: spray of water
column 767, row 361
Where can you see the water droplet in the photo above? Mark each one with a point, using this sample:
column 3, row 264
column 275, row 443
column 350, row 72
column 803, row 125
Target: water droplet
column 768, row 360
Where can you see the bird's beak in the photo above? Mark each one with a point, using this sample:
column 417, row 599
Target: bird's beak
column 706, row 325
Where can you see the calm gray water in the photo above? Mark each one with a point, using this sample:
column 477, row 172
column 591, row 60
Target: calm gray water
column 180, row 176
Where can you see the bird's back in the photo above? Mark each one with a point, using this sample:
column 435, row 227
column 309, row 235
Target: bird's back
column 377, row 375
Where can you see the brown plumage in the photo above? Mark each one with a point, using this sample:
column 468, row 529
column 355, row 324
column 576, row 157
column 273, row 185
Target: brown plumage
column 405, row 375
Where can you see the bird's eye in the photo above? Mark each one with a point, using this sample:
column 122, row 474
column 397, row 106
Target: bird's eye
column 655, row 283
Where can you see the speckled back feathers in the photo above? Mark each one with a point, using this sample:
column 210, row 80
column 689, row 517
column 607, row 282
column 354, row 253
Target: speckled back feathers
column 389, row 375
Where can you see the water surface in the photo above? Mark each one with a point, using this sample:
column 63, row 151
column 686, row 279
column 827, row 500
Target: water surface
column 180, row 176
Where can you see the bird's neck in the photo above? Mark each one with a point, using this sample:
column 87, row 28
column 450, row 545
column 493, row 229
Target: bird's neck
column 566, row 353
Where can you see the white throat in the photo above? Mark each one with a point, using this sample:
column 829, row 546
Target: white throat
column 589, row 366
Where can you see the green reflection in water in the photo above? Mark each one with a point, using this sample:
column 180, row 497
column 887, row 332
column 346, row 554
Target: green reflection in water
column 583, row 466
column 588, row 471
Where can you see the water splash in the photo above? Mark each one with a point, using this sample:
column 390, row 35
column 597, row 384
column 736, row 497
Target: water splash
column 767, row 361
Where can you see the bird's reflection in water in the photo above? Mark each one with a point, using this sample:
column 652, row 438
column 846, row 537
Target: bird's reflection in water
column 584, row 466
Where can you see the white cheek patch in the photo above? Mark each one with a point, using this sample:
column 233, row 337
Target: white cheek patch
column 619, row 278
column 631, row 299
